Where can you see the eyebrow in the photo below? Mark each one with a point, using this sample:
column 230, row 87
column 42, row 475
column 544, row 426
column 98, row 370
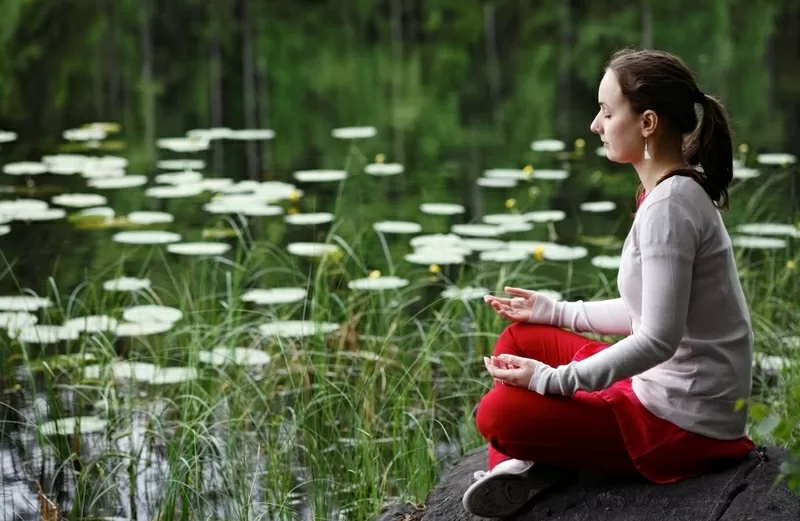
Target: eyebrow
column 602, row 104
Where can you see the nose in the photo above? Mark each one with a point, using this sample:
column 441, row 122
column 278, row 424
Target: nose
column 595, row 127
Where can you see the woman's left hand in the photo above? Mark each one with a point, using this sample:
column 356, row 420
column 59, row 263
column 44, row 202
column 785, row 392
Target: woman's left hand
column 511, row 369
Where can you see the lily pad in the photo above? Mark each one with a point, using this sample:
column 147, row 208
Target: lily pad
column 378, row 283
column 148, row 313
column 146, row 237
column 126, row 284
column 274, row 295
column 297, row 328
column 69, row 426
column 198, row 248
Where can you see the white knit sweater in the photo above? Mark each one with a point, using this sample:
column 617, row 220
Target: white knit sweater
column 689, row 343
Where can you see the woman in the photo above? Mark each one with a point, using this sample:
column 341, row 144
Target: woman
column 663, row 403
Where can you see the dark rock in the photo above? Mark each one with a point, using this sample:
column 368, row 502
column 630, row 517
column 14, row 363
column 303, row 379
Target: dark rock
column 741, row 493
column 407, row 512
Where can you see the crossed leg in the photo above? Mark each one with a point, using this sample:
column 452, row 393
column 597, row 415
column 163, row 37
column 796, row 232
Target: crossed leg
column 577, row 433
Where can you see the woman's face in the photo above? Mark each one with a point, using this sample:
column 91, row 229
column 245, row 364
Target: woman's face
column 616, row 124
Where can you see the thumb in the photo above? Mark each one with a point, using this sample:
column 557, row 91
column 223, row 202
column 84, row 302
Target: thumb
column 518, row 292
column 512, row 359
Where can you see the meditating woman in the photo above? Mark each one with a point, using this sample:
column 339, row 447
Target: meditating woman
column 662, row 402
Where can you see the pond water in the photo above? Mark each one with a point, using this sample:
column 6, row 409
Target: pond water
column 171, row 261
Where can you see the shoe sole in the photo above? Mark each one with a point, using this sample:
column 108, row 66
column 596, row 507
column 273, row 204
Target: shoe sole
column 502, row 495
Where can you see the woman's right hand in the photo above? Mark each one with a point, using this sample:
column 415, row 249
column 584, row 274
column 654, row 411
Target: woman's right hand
column 529, row 306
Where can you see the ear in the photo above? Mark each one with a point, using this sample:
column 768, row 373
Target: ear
column 648, row 121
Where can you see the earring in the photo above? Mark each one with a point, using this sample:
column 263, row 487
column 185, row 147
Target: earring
column 646, row 153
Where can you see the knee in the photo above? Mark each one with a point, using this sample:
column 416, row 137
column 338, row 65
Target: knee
column 486, row 418
column 521, row 332
column 496, row 413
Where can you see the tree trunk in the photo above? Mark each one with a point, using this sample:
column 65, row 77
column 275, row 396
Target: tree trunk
column 471, row 176
column 787, row 54
column 215, row 70
column 492, row 62
column 397, row 77
column 97, row 79
column 248, row 82
column 647, row 24
column 564, row 70
column 112, row 68
column 262, row 88
column 146, row 85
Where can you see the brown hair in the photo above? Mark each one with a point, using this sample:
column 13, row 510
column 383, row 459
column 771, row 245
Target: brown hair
column 662, row 82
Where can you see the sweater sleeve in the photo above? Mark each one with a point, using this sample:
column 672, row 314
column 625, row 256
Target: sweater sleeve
column 668, row 239
column 604, row 317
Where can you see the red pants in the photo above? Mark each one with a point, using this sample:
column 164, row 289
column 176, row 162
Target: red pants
column 578, row 433
column 604, row 432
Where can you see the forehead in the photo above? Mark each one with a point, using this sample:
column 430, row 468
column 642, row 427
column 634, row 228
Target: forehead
column 609, row 91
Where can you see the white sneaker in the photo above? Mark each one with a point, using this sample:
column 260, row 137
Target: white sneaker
column 502, row 491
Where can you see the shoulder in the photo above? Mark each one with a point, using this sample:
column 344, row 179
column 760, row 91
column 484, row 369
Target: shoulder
column 680, row 197
column 674, row 215
column 680, row 189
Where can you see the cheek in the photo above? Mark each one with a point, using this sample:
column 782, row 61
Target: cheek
column 621, row 141
column 613, row 130
column 621, row 134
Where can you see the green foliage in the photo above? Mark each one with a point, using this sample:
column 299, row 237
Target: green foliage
column 453, row 89
column 425, row 73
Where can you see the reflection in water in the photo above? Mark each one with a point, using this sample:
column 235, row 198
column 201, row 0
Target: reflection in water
column 133, row 452
column 208, row 450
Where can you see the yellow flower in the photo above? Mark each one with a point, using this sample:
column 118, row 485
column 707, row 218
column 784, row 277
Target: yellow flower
column 528, row 169
column 743, row 148
column 109, row 127
column 293, row 211
column 333, row 255
column 380, row 158
column 539, row 253
column 580, row 143
column 511, row 203
column 434, row 268
column 374, row 274
column 295, row 195
column 791, row 265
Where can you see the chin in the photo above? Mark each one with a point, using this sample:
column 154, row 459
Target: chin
column 617, row 158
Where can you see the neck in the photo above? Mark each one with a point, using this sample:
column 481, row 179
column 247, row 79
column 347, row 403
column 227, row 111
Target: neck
column 651, row 170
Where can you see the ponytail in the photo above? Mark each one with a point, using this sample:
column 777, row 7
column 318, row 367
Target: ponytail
column 710, row 146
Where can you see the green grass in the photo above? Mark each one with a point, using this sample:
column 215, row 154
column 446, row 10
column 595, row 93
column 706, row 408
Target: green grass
column 351, row 421
column 344, row 422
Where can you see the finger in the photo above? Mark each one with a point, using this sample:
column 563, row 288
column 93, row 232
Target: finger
column 518, row 292
column 497, row 362
column 505, row 365
column 502, row 364
column 508, row 316
column 500, row 309
column 512, row 359
column 508, row 306
column 519, row 316
column 499, row 300
column 500, row 306
column 509, row 375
